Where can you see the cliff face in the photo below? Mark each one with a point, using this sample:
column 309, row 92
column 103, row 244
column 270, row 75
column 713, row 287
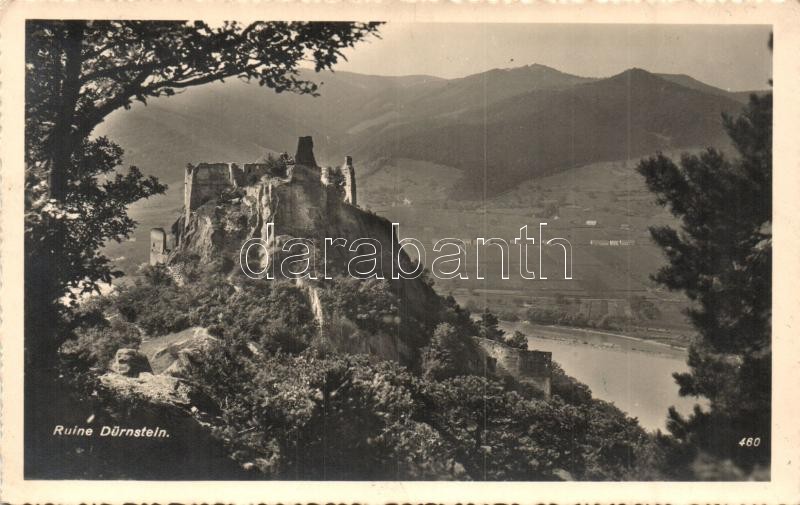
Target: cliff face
column 300, row 206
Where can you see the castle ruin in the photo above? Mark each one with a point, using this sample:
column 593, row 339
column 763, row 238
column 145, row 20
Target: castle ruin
column 349, row 173
column 305, row 152
column 344, row 177
column 205, row 182
column 159, row 246
column 528, row 367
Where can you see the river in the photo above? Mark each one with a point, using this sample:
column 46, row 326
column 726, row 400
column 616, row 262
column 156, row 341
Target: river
column 634, row 374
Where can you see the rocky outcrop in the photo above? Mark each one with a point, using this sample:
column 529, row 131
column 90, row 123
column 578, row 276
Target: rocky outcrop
column 130, row 363
column 278, row 209
column 164, row 389
column 186, row 447
column 171, row 354
column 158, row 389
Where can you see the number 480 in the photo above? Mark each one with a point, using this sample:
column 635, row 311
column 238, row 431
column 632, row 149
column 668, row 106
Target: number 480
column 750, row 442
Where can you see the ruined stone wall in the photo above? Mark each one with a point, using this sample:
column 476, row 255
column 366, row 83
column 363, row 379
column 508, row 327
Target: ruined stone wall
column 204, row 182
column 531, row 367
column 251, row 173
column 343, row 178
column 158, row 246
column 349, row 173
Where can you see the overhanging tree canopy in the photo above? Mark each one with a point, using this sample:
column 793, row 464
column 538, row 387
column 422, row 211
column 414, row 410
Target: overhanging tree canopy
column 78, row 72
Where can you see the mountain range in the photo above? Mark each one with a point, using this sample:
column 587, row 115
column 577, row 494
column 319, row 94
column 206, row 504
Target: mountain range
column 497, row 128
column 451, row 157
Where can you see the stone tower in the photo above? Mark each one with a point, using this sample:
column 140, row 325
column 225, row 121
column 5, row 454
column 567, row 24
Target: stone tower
column 158, row 246
column 305, row 152
column 349, row 173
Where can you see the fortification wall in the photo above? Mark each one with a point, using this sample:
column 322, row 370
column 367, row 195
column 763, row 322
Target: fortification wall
column 251, row 173
column 205, row 182
column 343, row 179
column 158, row 246
column 349, row 173
column 531, row 367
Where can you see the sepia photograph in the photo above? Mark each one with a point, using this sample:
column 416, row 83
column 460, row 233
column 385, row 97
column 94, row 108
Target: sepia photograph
column 379, row 250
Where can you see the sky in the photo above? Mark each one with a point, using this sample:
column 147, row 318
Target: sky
column 732, row 57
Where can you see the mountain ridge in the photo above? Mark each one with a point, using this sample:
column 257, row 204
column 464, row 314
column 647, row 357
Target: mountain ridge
column 540, row 132
column 379, row 118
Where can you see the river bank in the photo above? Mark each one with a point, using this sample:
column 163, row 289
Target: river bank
column 595, row 338
column 633, row 373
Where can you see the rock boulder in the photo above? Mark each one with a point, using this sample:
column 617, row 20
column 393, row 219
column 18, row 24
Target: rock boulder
column 130, row 363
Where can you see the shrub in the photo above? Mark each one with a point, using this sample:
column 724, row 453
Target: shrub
column 447, row 354
column 281, row 412
column 487, row 327
column 374, row 307
column 518, row 340
column 508, row 315
column 97, row 345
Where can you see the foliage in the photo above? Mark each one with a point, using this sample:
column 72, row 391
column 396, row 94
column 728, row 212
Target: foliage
column 97, row 345
column 291, row 410
column 80, row 71
column 63, row 239
column 578, row 319
column 487, row 327
column 275, row 315
column 370, row 303
column 518, row 340
column 287, row 410
column 447, row 353
column 498, row 435
column 376, row 307
column 508, row 315
column 278, row 165
column 567, row 388
column 721, row 257
column 154, row 303
column 308, row 417
column 313, row 416
column 459, row 318
column 643, row 308
column 617, row 447
column 550, row 210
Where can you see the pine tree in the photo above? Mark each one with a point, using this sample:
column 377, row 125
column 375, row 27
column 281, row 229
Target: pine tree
column 721, row 257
